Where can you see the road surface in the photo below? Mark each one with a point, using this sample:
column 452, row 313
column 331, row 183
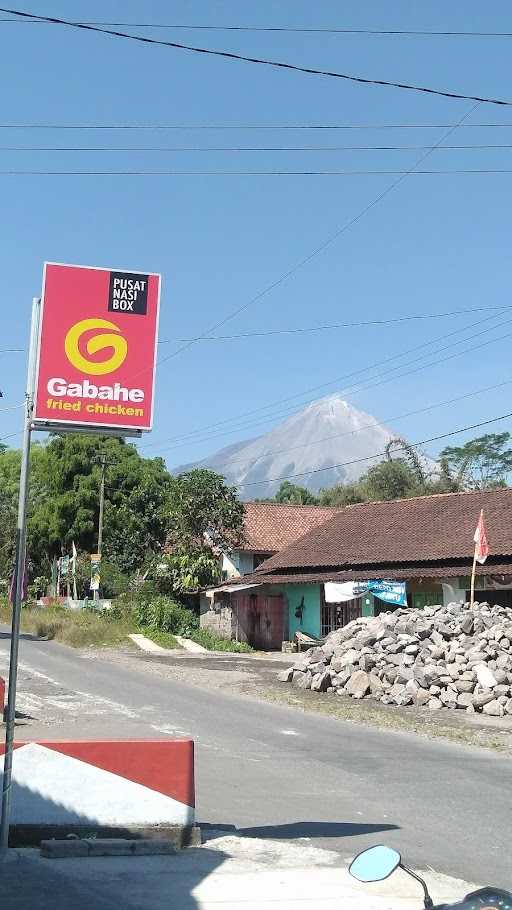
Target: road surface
column 275, row 773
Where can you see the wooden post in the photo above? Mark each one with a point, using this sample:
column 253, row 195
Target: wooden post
column 478, row 551
column 472, row 598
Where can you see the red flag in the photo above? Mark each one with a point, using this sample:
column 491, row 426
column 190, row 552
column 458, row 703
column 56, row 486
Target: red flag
column 480, row 538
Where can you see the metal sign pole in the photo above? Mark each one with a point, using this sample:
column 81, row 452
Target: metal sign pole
column 21, row 546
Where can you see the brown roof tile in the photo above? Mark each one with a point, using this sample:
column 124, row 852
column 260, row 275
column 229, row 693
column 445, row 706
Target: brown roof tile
column 417, row 530
column 271, row 526
column 388, row 573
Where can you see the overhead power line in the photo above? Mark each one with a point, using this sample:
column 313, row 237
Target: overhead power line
column 335, row 381
column 256, row 148
column 276, row 64
column 320, row 248
column 368, row 426
column 13, row 407
column 263, row 333
column 248, row 126
column 344, row 464
column 311, row 173
column 313, row 30
column 355, row 388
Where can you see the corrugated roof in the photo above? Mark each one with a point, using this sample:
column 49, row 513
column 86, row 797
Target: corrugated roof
column 417, row 530
column 387, row 573
column 271, row 526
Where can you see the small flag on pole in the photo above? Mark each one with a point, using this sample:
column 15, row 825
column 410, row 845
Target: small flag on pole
column 481, row 543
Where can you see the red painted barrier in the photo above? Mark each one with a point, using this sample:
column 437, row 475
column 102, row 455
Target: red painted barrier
column 116, row 787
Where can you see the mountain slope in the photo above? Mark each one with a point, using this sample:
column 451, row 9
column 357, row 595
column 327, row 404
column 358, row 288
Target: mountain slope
column 326, row 432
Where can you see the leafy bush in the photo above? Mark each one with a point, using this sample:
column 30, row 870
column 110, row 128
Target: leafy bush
column 161, row 614
column 183, row 573
column 213, row 642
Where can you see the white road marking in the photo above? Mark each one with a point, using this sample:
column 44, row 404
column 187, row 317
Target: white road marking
column 170, row 731
column 78, row 702
column 289, row 732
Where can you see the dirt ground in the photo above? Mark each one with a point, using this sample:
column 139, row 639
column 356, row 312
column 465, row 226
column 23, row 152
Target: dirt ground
column 256, row 678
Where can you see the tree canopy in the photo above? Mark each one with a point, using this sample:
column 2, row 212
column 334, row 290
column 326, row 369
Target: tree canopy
column 295, row 495
column 204, row 512
column 483, row 463
column 64, row 501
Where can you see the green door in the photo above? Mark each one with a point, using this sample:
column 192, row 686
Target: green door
column 422, row 599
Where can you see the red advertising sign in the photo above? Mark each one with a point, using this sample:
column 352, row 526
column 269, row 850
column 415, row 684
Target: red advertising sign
column 97, row 348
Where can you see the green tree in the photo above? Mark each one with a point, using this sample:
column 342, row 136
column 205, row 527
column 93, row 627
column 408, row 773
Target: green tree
column 10, row 462
column 204, row 513
column 411, row 458
column 205, row 519
column 290, row 493
column 64, row 501
column 483, row 463
column 394, row 479
column 186, row 573
column 343, row 494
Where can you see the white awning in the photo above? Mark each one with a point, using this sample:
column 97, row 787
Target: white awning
column 338, row 593
column 229, row 589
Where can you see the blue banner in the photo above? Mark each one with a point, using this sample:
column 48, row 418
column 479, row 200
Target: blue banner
column 391, row 592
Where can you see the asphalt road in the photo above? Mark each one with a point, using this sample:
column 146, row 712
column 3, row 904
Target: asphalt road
column 276, row 773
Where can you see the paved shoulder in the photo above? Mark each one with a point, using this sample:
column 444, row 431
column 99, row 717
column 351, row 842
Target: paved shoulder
column 28, row 884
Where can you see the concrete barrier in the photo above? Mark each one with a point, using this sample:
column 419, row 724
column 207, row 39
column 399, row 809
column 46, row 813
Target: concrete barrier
column 2, row 698
column 117, row 788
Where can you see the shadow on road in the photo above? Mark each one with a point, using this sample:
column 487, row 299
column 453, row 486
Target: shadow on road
column 314, row 829
column 28, row 882
column 296, row 830
column 26, row 636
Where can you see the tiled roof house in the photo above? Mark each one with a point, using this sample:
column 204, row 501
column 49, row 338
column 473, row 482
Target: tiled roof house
column 424, row 542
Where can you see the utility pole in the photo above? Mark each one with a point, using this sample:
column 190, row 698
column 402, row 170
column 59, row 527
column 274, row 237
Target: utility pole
column 20, row 561
column 104, row 462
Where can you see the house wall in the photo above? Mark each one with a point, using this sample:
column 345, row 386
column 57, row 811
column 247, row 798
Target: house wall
column 420, row 594
column 239, row 562
column 230, row 565
column 216, row 615
column 293, row 595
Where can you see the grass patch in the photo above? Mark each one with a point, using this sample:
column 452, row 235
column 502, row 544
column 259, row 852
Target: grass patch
column 89, row 628
column 77, row 628
column 166, row 639
column 212, row 642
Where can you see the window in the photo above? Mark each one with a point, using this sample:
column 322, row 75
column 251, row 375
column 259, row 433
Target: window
column 258, row 558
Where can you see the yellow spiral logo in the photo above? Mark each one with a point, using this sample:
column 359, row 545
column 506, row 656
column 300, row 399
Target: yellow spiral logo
column 95, row 343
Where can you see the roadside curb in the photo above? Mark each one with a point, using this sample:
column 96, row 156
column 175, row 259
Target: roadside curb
column 191, row 646
column 151, row 647
column 76, row 847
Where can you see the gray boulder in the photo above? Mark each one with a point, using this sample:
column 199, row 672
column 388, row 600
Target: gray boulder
column 493, row 708
column 485, row 676
column 302, row 680
column 321, row 681
column 359, row 684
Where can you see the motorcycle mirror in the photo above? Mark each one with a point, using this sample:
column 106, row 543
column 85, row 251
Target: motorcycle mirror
column 375, row 864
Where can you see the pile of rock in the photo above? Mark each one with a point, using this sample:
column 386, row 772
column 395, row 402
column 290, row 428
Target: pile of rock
column 459, row 656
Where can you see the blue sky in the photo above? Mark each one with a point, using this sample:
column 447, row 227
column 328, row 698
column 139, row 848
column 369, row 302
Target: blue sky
column 434, row 244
